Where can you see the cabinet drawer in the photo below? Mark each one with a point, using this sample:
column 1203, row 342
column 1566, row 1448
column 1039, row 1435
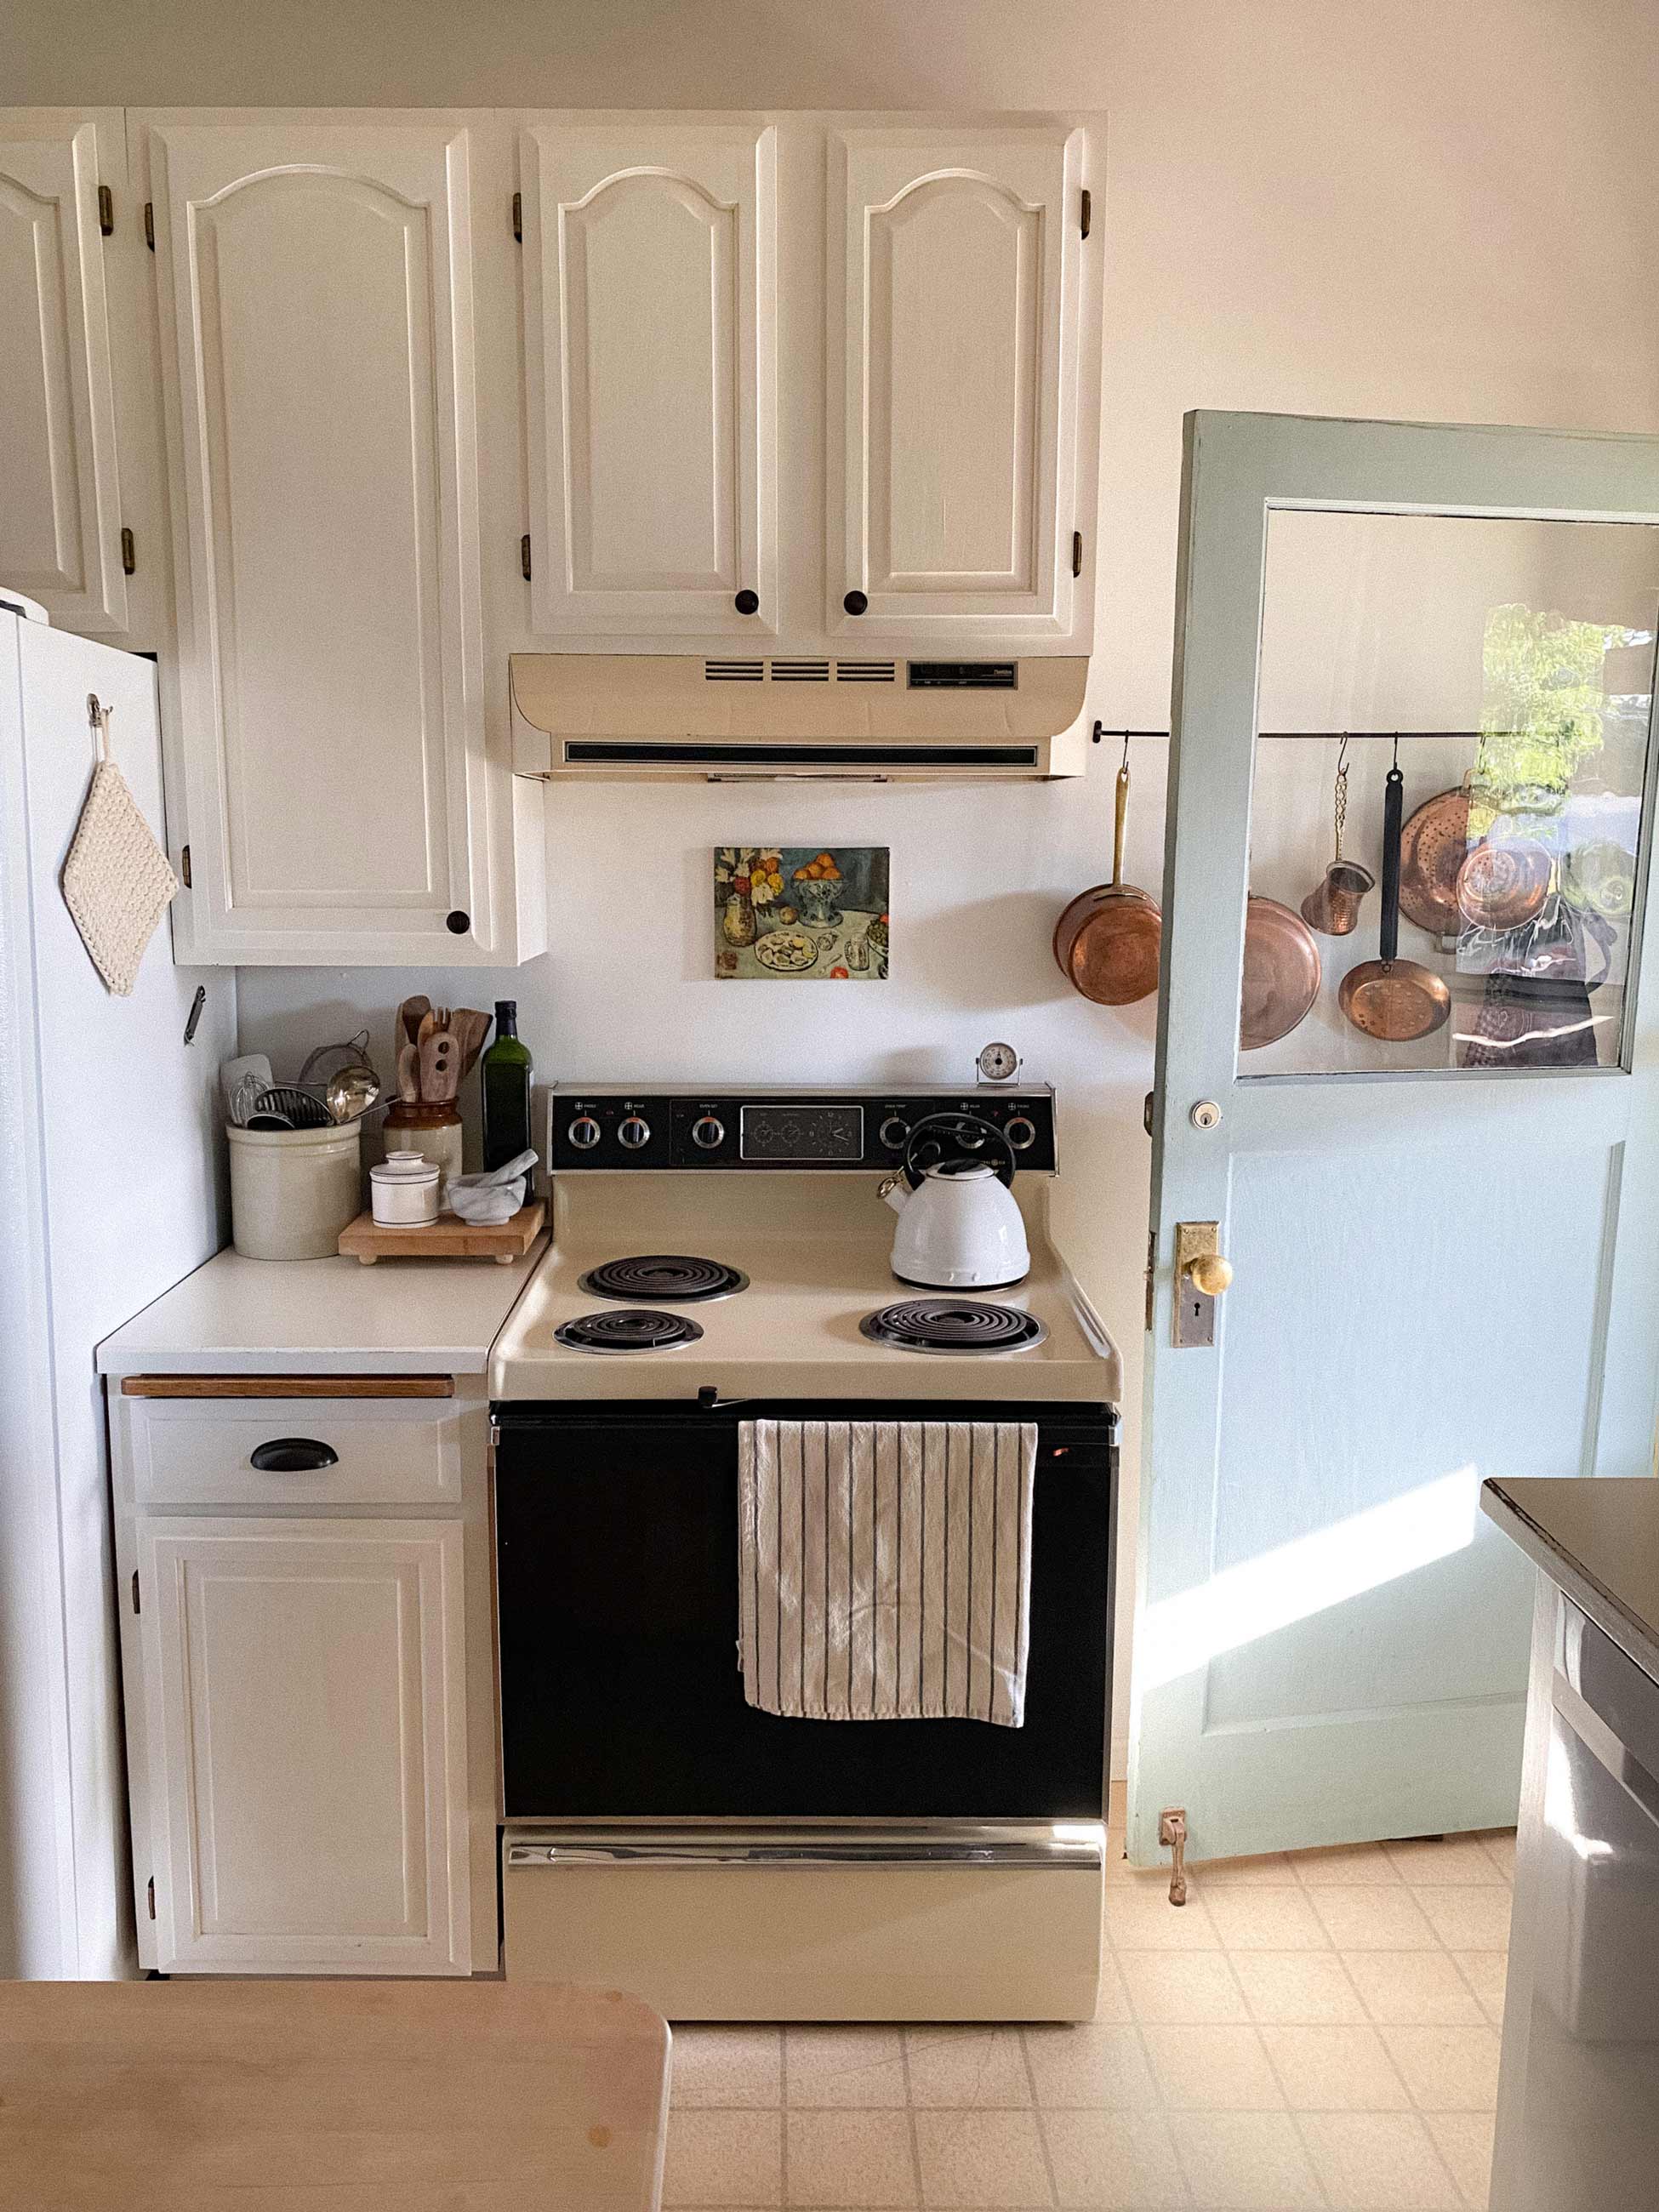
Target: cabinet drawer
column 197, row 1451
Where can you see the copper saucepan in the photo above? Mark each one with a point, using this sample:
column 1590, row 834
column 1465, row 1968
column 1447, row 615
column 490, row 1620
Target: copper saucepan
column 1107, row 940
column 1281, row 974
column 1393, row 1000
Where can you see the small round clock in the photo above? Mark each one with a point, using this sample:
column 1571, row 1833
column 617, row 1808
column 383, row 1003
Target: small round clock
column 998, row 1063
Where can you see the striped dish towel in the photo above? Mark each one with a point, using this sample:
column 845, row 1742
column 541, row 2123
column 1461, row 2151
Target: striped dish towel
column 886, row 1568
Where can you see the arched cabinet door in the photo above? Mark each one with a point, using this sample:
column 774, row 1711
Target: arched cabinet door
column 60, row 506
column 650, row 341
column 318, row 344
column 956, row 271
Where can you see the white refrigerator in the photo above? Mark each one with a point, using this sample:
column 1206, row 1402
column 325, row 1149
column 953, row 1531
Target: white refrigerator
column 111, row 1188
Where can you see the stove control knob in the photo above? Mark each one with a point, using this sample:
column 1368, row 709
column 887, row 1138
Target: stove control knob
column 583, row 1132
column 707, row 1131
column 1021, row 1133
column 633, row 1130
column 894, row 1131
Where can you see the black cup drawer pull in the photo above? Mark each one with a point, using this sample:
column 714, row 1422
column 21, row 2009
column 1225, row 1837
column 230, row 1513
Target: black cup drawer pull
column 295, row 1456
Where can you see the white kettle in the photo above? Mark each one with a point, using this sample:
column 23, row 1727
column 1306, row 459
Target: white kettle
column 960, row 1228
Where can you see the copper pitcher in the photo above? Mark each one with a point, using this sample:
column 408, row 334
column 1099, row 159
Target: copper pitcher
column 1332, row 906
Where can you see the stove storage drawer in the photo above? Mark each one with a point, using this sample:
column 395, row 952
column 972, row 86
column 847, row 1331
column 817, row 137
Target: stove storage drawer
column 314, row 1451
column 617, row 1582
column 813, row 1926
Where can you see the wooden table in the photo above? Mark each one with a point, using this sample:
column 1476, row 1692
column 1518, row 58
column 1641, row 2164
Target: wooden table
column 329, row 2096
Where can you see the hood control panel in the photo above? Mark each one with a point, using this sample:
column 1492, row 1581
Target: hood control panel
column 761, row 1130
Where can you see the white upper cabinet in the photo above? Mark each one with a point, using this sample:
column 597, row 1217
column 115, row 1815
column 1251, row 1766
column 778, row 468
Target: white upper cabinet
column 955, row 336
column 60, row 504
column 318, row 352
column 650, row 341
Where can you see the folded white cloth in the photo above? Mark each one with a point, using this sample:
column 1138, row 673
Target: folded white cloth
column 485, row 1200
column 886, row 1568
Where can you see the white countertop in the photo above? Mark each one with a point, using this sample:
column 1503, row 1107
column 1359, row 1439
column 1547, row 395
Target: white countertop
column 237, row 1316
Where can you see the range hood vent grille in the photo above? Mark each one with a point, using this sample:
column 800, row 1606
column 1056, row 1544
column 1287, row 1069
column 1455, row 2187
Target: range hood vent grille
column 808, row 671
column 734, row 671
column 699, row 753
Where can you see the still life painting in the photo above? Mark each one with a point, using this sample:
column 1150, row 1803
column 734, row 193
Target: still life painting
column 800, row 914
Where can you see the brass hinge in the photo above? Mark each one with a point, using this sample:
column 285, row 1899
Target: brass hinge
column 518, row 216
column 105, row 209
column 183, row 865
column 129, row 553
column 524, row 555
column 134, row 1589
column 1151, row 1264
column 1077, row 552
column 1088, row 211
column 150, row 1895
column 149, row 225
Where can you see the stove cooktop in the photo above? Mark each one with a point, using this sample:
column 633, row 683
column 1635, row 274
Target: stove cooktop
column 953, row 1324
column 664, row 1276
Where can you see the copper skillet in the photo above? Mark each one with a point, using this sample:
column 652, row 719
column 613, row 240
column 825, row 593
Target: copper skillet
column 1281, row 974
column 1107, row 940
column 1393, row 1000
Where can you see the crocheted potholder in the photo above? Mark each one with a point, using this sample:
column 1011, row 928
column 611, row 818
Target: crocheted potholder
column 116, row 884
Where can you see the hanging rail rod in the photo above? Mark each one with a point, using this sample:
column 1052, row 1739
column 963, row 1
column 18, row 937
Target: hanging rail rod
column 1328, row 737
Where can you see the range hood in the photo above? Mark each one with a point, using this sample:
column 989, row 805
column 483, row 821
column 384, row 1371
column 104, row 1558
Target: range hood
column 869, row 720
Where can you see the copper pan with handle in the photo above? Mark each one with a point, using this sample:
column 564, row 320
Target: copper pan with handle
column 1281, row 973
column 1395, row 1000
column 1107, row 940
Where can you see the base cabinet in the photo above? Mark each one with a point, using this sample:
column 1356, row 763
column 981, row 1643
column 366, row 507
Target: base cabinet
column 304, row 1702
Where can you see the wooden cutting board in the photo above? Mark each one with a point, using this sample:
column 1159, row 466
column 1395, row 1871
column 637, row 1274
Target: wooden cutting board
column 353, row 2096
column 448, row 1239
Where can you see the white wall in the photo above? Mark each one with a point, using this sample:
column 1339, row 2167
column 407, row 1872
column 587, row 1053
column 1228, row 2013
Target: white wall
column 1393, row 209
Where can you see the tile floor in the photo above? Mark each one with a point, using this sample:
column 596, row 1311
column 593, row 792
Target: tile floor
column 1314, row 2030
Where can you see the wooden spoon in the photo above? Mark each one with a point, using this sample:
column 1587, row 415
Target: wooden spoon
column 409, row 1017
column 469, row 1028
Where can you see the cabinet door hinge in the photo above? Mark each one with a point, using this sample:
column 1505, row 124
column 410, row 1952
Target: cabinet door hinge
column 183, row 865
column 518, row 216
column 524, row 555
column 150, row 1895
column 105, row 209
column 134, row 1589
column 1088, row 211
column 1077, row 552
column 1151, row 1260
column 149, row 224
column 129, row 553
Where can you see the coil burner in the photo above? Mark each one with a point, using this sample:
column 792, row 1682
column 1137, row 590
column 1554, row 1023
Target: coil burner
column 955, row 1324
column 634, row 1330
column 663, row 1275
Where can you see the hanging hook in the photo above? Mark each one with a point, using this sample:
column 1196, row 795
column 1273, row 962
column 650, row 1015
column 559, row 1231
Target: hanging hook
column 1396, row 748
column 1126, row 752
column 1342, row 755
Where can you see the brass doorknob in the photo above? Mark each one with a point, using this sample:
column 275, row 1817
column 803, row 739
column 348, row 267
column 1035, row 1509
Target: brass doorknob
column 1209, row 1273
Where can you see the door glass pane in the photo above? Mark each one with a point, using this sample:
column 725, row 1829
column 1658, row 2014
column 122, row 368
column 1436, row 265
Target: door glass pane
column 1514, row 660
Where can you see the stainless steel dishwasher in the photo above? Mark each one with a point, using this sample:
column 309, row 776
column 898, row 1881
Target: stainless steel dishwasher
column 1579, row 2108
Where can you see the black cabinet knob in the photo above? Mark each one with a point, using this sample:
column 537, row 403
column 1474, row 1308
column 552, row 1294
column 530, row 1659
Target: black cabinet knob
column 747, row 603
column 855, row 603
column 293, row 1456
column 458, row 923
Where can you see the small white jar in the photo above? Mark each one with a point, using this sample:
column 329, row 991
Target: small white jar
column 404, row 1191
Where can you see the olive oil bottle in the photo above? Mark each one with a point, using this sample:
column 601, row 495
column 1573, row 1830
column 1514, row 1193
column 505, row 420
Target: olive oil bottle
column 504, row 1076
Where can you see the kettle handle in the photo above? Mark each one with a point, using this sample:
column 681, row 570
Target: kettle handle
column 939, row 1124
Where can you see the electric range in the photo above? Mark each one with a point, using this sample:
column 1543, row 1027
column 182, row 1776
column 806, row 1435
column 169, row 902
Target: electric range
column 716, row 1257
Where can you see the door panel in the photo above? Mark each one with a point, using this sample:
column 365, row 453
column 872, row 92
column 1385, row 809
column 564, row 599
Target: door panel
column 1444, row 1248
column 650, row 334
column 308, row 1711
column 320, row 331
column 60, row 519
column 951, row 478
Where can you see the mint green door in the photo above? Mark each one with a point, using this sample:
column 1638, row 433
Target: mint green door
column 1444, row 1238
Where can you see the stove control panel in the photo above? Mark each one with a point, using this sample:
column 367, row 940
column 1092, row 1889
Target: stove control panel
column 761, row 1130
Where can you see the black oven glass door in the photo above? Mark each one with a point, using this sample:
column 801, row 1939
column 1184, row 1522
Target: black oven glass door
column 616, row 1567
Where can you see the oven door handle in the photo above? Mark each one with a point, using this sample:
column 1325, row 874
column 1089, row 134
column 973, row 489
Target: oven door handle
column 1080, row 1847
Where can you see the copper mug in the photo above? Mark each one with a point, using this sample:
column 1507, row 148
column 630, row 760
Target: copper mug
column 1332, row 906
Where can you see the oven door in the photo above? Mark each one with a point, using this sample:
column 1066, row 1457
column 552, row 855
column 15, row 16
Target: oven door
column 616, row 1588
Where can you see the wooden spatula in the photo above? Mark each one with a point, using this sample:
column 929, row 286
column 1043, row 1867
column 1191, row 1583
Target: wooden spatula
column 409, row 1074
column 469, row 1028
column 409, row 1017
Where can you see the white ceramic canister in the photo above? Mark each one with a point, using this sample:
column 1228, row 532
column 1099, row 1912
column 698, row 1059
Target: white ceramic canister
column 434, row 1131
column 404, row 1191
column 292, row 1191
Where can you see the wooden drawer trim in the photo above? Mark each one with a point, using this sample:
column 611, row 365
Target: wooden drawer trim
column 287, row 1386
